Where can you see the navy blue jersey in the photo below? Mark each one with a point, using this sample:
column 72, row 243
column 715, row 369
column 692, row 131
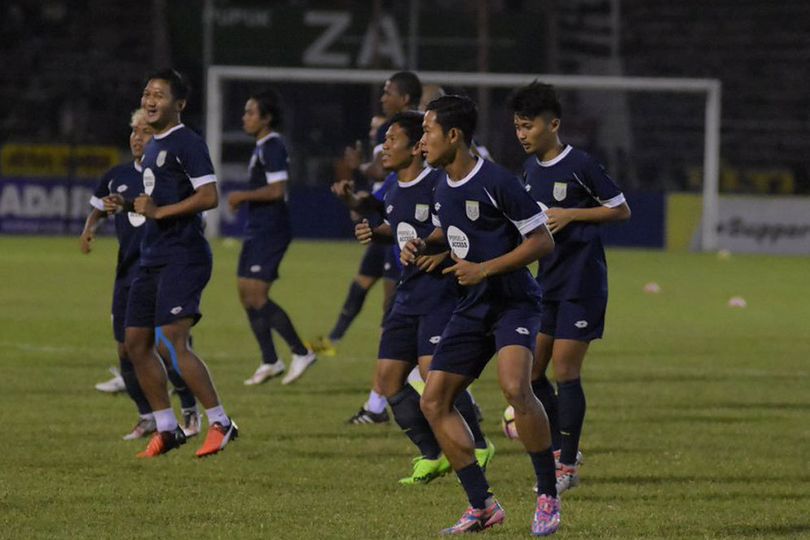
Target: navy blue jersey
column 407, row 211
column 125, row 180
column 484, row 215
column 175, row 164
column 268, row 165
column 576, row 268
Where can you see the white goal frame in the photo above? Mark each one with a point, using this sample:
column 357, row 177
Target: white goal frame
column 711, row 88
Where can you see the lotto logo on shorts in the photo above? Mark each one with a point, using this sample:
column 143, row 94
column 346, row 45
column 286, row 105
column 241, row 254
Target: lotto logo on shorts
column 581, row 324
column 522, row 331
column 435, row 339
column 175, row 310
column 255, row 268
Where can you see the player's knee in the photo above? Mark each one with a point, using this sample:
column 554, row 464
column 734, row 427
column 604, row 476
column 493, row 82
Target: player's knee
column 431, row 407
column 517, row 394
column 565, row 373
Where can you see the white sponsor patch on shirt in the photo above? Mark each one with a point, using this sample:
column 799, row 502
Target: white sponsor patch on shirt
column 459, row 242
column 148, row 181
column 405, row 233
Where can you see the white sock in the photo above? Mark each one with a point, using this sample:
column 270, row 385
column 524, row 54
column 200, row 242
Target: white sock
column 217, row 414
column 165, row 420
column 376, row 403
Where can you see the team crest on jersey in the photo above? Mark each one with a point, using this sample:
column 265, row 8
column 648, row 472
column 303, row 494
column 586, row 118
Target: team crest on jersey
column 148, row 181
column 473, row 211
column 161, row 159
column 122, row 188
column 421, row 212
column 560, row 191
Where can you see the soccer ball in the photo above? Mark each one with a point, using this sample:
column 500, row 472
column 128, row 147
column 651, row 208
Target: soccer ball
column 508, row 423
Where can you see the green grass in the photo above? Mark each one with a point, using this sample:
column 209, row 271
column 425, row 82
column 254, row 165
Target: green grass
column 698, row 414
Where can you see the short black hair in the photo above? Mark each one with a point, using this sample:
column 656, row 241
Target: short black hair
column 177, row 82
column 269, row 102
column 455, row 111
column 408, row 83
column 411, row 124
column 534, row 100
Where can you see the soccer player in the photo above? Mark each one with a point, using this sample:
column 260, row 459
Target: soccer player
column 268, row 236
column 494, row 229
column 424, row 299
column 401, row 92
column 579, row 195
column 125, row 181
column 164, row 300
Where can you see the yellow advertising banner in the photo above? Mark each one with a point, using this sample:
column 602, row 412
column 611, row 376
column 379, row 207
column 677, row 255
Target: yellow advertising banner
column 56, row 160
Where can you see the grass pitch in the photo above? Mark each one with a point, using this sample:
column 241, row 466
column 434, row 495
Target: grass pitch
column 698, row 419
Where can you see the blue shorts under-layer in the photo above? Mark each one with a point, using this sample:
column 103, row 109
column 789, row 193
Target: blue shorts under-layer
column 160, row 295
column 581, row 319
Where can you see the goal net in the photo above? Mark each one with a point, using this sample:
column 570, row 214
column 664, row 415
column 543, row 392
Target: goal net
column 653, row 134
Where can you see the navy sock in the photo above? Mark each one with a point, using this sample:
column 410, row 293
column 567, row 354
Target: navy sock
column 475, row 484
column 544, row 391
column 133, row 387
column 464, row 405
column 351, row 307
column 264, row 335
column 187, row 400
column 409, row 417
column 546, row 471
column 281, row 323
column 572, row 416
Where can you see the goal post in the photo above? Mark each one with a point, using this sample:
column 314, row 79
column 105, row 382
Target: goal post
column 710, row 88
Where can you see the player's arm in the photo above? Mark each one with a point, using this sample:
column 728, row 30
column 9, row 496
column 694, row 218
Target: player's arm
column 266, row 194
column 381, row 234
column 415, row 248
column 94, row 219
column 205, row 197
column 538, row 243
column 558, row 218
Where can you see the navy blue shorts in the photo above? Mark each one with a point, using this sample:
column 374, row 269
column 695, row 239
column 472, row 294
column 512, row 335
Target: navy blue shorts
column 470, row 340
column 378, row 261
column 119, row 308
column 160, row 295
column 408, row 337
column 581, row 319
column 261, row 256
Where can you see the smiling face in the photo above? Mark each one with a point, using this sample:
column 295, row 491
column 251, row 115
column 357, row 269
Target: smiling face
column 141, row 134
column 253, row 123
column 437, row 145
column 537, row 135
column 397, row 150
column 162, row 109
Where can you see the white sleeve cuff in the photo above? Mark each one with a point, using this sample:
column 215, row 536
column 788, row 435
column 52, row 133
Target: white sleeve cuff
column 618, row 200
column 435, row 220
column 526, row 226
column 97, row 203
column 277, row 176
column 202, row 180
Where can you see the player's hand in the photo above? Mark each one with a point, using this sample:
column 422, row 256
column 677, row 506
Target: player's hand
column 145, row 206
column 234, row 200
column 558, row 218
column 467, row 273
column 411, row 250
column 363, row 233
column 113, row 203
column 429, row 263
column 343, row 189
column 85, row 241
